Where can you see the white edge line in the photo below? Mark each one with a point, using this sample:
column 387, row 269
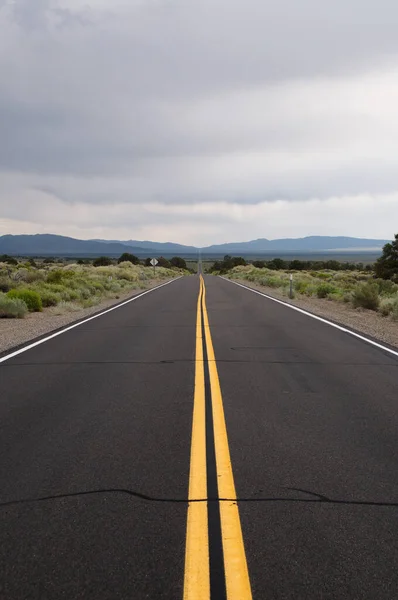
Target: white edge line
column 53, row 335
column 321, row 319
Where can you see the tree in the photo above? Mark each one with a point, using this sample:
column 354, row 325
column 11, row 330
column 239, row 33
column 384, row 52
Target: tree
column 147, row 262
column 102, row 261
column 277, row 264
column 227, row 264
column 10, row 260
column 386, row 266
column 295, row 265
column 163, row 262
column 127, row 257
column 179, row 262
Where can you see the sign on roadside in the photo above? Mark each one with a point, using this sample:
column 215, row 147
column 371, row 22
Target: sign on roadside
column 154, row 262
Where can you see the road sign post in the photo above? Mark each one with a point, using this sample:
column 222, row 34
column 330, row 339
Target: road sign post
column 154, row 262
column 291, row 286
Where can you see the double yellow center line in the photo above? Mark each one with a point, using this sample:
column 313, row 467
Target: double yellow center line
column 202, row 571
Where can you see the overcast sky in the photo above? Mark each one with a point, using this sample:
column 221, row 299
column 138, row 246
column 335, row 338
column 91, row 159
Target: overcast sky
column 199, row 121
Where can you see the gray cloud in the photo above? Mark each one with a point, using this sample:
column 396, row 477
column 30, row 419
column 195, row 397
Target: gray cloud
column 185, row 103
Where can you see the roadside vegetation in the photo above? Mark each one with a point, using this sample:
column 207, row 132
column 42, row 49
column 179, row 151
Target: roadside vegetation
column 61, row 287
column 371, row 287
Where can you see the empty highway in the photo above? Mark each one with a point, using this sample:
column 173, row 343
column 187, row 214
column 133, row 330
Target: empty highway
column 200, row 441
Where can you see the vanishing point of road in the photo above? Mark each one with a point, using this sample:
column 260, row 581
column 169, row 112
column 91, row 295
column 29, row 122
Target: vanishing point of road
column 200, row 441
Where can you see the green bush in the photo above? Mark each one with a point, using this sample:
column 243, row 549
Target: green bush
column 58, row 275
column 301, row 286
column 5, row 284
column 386, row 286
column 389, row 306
column 12, row 308
column 126, row 256
column 178, row 262
column 49, row 298
column 30, row 297
column 324, row 289
column 54, row 276
column 10, row 260
column 366, row 295
column 102, row 261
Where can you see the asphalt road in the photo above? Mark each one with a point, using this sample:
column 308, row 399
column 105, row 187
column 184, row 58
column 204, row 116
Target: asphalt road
column 311, row 415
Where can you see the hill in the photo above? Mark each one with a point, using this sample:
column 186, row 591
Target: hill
column 306, row 244
column 58, row 245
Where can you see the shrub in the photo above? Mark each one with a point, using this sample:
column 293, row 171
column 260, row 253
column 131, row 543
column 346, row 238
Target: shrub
column 30, row 297
column 366, row 295
column 5, row 284
column 178, row 262
column 49, row 298
column 12, row 308
column 394, row 312
column 386, row 286
column 32, row 276
column 324, row 289
column 271, row 282
column 301, row 286
column 10, row 260
column 388, row 306
column 65, row 307
column 55, row 276
column 163, row 262
column 126, row 256
column 102, row 261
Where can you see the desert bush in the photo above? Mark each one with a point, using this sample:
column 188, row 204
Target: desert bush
column 366, row 295
column 65, row 307
column 386, row 286
column 324, row 289
column 389, row 306
column 301, row 286
column 49, row 298
column 12, row 308
column 60, row 275
column 10, row 260
column 31, row 298
column 178, row 262
column 127, row 257
column 54, row 276
column 5, row 284
column 336, row 296
column 102, row 261
column 269, row 281
column 73, row 284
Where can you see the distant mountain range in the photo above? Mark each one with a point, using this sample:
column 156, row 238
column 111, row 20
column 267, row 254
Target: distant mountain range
column 58, row 245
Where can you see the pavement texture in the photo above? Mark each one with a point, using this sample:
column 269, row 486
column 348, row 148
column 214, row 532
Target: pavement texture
column 312, row 422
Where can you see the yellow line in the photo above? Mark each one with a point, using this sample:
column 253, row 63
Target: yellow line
column 236, row 572
column 197, row 575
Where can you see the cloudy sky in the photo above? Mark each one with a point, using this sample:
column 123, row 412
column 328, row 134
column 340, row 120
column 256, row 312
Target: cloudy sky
column 199, row 121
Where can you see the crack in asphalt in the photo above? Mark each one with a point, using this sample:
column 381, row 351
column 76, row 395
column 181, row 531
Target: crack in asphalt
column 316, row 498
